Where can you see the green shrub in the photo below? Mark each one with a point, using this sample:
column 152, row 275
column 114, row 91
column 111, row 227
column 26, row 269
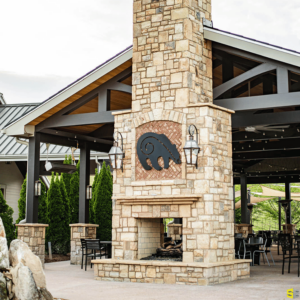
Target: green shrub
column 74, row 196
column 6, row 213
column 22, row 202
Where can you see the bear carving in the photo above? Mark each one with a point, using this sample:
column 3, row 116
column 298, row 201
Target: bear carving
column 152, row 145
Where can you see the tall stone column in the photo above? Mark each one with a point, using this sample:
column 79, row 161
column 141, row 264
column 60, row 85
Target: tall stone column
column 34, row 236
column 78, row 232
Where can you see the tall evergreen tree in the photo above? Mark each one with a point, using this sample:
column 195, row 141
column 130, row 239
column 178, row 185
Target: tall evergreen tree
column 66, row 211
column 103, row 204
column 56, row 217
column 43, row 206
column 6, row 213
column 22, row 202
column 91, row 207
column 67, row 177
column 74, row 195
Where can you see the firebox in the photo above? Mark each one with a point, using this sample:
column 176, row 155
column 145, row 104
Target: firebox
column 160, row 239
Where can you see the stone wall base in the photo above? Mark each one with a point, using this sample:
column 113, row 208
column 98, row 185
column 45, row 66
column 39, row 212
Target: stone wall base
column 171, row 272
column 78, row 232
column 34, row 236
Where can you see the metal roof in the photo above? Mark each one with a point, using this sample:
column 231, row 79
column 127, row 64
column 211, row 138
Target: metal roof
column 11, row 150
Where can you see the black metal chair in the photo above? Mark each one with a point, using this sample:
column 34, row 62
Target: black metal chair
column 238, row 235
column 283, row 237
column 287, row 250
column 83, row 250
column 268, row 248
column 237, row 246
column 93, row 245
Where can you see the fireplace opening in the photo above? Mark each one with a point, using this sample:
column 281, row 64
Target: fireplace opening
column 160, row 239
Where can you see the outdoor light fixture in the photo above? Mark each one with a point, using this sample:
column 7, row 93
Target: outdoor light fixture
column 250, row 208
column 285, row 204
column 116, row 153
column 191, row 148
column 38, row 188
column 89, row 193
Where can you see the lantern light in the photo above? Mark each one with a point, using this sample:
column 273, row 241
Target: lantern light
column 191, row 148
column 38, row 188
column 89, row 193
column 116, row 153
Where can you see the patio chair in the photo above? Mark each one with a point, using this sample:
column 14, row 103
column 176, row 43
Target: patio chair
column 262, row 251
column 237, row 246
column 83, row 251
column 283, row 237
column 93, row 245
column 268, row 248
column 243, row 252
column 287, row 250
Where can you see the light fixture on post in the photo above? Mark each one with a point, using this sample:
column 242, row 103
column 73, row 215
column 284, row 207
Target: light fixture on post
column 191, row 148
column 38, row 188
column 116, row 153
column 89, row 193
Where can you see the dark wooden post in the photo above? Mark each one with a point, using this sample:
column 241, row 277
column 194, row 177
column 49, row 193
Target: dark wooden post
column 279, row 213
column 244, row 199
column 288, row 196
column 234, row 202
column 84, row 181
column 248, row 201
column 33, row 172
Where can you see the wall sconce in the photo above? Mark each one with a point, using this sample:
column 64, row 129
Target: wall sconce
column 89, row 192
column 38, row 188
column 191, row 148
column 116, row 153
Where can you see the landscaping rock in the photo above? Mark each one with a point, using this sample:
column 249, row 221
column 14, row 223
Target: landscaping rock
column 2, row 229
column 19, row 252
column 24, row 287
column 3, row 289
column 4, row 258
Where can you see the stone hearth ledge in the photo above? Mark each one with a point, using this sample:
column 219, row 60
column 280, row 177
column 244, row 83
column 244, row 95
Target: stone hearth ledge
column 170, row 263
column 166, row 272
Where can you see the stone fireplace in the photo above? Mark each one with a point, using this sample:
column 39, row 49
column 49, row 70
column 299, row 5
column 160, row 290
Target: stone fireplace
column 172, row 89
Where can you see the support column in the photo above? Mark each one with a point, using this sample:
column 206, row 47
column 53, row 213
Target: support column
column 234, row 202
column 248, row 201
column 244, row 199
column 84, row 181
column 34, row 236
column 33, row 173
column 279, row 213
column 78, row 232
column 288, row 196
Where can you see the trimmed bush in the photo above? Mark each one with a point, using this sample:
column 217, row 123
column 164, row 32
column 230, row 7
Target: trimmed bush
column 55, row 232
column 43, row 206
column 6, row 213
column 92, row 201
column 22, row 202
column 65, row 177
column 74, row 196
column 103, row 204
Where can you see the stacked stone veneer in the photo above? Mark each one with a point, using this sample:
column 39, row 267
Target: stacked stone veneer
column 78, row 232
column 171, row 272
column 172, row 83
column 175, row 231
column 34, row 236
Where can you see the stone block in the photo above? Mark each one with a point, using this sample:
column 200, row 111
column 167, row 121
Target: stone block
column 151, row 272
column 181, row 13
column 169, row 278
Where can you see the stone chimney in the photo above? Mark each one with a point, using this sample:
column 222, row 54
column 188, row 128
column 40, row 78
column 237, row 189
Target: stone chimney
column 172, row 64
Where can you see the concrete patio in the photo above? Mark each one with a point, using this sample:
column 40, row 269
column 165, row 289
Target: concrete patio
column 70, row 282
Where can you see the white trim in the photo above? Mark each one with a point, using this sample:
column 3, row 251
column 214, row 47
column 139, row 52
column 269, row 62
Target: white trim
column 256, row 47
column 17, row 128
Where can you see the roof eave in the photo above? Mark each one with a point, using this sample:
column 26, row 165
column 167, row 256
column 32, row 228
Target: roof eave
column 252, row 46
column 19, row 127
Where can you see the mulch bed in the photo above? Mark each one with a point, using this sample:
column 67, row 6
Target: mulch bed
column 56, row 258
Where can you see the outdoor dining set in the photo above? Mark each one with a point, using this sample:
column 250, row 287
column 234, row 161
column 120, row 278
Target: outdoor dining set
column 256, row 244
column 93, row 249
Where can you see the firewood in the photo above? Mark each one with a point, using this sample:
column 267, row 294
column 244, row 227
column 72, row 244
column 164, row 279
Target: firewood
column 178, row 246
column 164, row 245
column 170, row 247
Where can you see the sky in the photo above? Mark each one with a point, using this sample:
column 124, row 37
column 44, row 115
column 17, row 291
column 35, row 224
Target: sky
column 45, row 45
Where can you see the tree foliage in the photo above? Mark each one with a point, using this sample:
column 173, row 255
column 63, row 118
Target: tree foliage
column 74, row 195
column 66, row 177
column 43, row 206
column 22, row 202
column 92, row 201
column 6, row 214
column 103, row 204
column 55, row 234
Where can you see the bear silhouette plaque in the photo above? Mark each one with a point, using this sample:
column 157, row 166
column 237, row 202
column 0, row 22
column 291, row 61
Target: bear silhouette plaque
column 152, row 146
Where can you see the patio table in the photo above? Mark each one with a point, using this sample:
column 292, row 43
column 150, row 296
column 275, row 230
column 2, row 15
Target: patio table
column 252, row 247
